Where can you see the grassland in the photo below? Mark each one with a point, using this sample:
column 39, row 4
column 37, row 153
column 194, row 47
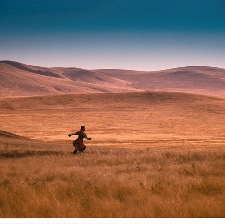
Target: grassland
column 152, row 155
column 172, row 180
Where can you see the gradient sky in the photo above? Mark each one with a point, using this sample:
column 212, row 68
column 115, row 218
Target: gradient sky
column 127, row 34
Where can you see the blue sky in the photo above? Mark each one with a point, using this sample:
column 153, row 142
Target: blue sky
column 127, row 34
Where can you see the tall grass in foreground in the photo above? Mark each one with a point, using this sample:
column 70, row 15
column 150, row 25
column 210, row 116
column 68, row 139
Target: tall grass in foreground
column 153, row 182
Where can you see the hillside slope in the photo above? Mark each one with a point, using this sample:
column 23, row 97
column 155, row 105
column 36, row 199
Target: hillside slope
column 191, row 79
column 25, row 80
column 113, row 117
column 22, row 80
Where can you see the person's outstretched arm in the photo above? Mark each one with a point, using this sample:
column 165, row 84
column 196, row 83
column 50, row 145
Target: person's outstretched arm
column 73, row 133
column 87, row 137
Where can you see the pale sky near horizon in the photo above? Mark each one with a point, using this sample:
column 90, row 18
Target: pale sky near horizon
column 119, row 34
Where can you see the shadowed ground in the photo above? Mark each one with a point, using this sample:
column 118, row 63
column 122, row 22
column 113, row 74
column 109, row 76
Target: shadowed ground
column 19, row 154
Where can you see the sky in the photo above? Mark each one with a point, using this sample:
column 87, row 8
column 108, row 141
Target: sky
column 146, row 35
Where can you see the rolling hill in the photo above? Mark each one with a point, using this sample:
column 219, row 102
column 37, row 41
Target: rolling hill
column 24, row 80
column 18, row 79
column 191, row 79
column 116, row 117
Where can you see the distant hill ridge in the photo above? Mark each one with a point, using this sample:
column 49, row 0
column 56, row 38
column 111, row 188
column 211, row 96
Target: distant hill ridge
column 19, row 79
column 5, row 134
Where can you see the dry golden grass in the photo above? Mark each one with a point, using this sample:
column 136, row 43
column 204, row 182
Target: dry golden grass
column 152, row 155
column 161, row 180
column 116, row 117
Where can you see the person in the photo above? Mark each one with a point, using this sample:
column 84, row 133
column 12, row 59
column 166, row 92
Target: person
column 78, row 143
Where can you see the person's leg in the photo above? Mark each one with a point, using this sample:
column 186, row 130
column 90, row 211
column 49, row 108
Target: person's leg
column 75, row 146
column 82, row 149
column 76, row 150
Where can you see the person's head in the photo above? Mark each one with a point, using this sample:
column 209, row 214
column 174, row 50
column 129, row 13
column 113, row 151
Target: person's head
column 82, row 128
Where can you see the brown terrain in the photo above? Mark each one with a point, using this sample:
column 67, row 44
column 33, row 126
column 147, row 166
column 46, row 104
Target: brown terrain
column 25, row 80
column 157, row 147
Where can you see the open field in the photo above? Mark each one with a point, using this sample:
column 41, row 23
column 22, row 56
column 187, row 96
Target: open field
column 116, row 117
column 161, row 180
column 152, row 154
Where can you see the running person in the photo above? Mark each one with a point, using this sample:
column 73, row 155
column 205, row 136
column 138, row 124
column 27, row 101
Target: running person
column 78, row 143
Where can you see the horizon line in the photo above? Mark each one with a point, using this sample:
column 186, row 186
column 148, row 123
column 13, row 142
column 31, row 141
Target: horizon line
column 93, row 69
